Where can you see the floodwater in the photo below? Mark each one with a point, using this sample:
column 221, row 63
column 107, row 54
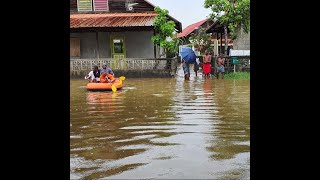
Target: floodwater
column 161, row 128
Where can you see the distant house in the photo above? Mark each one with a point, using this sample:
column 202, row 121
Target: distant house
column 209, row 25
column 242, row 42
column 186, row 32
column 115, row 29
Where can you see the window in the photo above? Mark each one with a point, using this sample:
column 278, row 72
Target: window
column 100, row 5
column 118, row 45
column 84, row 5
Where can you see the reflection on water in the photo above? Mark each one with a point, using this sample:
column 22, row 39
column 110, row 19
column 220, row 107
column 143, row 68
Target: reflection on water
column 161, row 128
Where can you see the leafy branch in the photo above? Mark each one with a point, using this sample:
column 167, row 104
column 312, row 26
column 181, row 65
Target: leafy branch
column 231, row 13
column 164, row 30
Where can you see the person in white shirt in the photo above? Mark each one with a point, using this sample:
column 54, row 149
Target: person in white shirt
column 94, row 75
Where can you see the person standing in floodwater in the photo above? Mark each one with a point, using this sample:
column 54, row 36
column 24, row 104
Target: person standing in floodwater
column 220, row 67
column 186, row 70
column 196, row 66
column 207, row 64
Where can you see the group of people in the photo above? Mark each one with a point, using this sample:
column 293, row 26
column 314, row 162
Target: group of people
column 206, row 66
column 102, row 75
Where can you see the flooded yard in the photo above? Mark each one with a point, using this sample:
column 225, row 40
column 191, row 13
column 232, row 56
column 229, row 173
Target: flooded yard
column 161, row 128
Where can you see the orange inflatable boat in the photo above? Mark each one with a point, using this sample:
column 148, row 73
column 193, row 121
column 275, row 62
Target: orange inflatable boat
column 104, row 86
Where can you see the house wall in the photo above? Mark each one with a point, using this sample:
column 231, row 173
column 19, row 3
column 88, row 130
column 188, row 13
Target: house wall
column 138, row 44
column 242, row 42
column 88, row 44
column 119, row 6
column 104, row 45
column 73, row 6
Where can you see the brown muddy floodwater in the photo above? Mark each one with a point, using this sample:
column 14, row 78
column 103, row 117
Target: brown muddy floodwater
column 161, row 128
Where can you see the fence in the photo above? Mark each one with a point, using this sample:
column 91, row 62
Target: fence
column 131, row 65
column 244, row 64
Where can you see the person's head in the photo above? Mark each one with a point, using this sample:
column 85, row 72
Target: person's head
column 206, row 53
column 221, row 56
column 95, row 68
column 104, row 65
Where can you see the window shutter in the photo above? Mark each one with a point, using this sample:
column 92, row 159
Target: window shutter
column 84, row 5
column 100, row 5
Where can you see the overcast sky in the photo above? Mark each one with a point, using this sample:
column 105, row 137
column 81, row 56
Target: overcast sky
column 185, row 11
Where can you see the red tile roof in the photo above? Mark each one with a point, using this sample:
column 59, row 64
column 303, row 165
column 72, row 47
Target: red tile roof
column 186, row 31
column 111, row 20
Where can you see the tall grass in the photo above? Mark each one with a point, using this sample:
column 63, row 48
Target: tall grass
column 237, row 75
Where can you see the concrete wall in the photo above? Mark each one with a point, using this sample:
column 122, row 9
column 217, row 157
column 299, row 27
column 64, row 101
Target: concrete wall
column 242, row 42
column 130, row 73
column 138, row 44
column 134, row 68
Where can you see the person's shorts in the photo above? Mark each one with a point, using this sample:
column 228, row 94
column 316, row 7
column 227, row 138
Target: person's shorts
column 220, row 69
column 186, row 68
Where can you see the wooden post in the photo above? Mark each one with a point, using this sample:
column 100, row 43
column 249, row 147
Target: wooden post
column 97, row 44
column 221, row 43
column 228, row 64
column 218, row 43
column 154, row 46
column 225, row 39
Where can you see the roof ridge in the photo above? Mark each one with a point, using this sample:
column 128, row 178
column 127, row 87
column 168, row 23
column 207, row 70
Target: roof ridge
column 186, row 31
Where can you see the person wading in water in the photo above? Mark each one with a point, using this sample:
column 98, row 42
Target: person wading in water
column 207, row 64
column 220, row 67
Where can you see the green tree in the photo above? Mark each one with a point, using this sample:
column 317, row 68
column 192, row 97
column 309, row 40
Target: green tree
column 164, row 30
column 232, row 14
column 201, row 40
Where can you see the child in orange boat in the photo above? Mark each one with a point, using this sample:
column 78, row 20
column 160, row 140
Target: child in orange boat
column 106, row 78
